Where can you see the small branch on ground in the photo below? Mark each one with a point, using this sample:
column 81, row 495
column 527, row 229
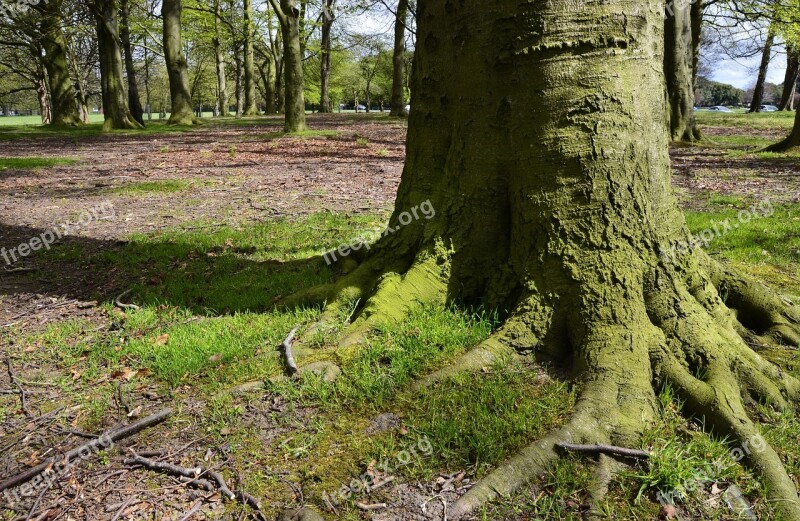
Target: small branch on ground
column 120, row 304
column 89, row 447
column 190, row 475
column 374, row 506
column 605, row 449
column 20, row 390
column 286, row 346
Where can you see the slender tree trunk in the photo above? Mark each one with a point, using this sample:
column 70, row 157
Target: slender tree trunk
column 147, row 97
column 180, row 98
column 59, row 84
column 239, row 85
column 790, row 80
column 250, row 106
column 325, row 58
column 280, row 88
column 295, row 105
column 758, row 92
column 268, row 78
column 679, row 66
column 398, row 60
column 43, row 96
column 696, row 15
column 82, row 98
column 219, row 60
column 125, row 36
column 115, row 103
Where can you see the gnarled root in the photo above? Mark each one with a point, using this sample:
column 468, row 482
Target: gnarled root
column 622, row 332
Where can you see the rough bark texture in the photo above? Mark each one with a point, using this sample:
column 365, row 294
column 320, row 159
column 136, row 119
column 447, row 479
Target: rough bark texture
column 790, row 80
column 62, row 106
column 43, row 96
column 267, row 70
column 134, row 103
column 295, row 105
column 115, row 103
column 398, row 61
column 766, row 56
column 539, row 136
column 250, row 107
column 180, row 99
column 325, row 58
column 679, row 64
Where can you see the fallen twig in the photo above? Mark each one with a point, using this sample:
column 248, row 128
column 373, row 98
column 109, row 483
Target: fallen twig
column 21, row 390
column 121, row 305
column 286, row 346
column 114, row 436
column 606, row 449
column 375, row 506
column 190, row 475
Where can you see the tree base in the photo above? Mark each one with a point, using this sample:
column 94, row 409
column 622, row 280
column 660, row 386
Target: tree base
column 620, row 347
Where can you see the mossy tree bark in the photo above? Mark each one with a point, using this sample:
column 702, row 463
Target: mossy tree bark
column 679, row 66
column 180, row 99
column 115, row 103
column 790, row 79
column 219, row 62
column 539, row 136
column 325, row 58
column 43, row 95
column 398, row 61
column 62, row 104
column 288, row 15
column 766, row 56
column 134, row 103
column 250, row 106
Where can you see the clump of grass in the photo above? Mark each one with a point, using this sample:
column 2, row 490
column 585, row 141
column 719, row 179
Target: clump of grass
column 362, row 141
column 33, row 163
column 166, row 186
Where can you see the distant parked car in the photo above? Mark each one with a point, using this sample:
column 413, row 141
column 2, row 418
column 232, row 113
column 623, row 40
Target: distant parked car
column 720, row 108
column 769, row 108
column 361, row 107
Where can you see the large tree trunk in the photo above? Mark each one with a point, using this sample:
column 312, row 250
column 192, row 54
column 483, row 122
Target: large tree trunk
column 679, row 66
column 792, row 141
column 61, row 96
column 790, row 80
column 250, row 107
column 537, row 181
column 181, row 100
column 134, row 103
column 758, row 91
column 398, row 60
column 115, row 103
column 295, row 105
column 325, row 58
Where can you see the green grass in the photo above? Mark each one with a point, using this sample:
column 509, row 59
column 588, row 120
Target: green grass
column 758, row 121
column 166, row 186
column 33, row 163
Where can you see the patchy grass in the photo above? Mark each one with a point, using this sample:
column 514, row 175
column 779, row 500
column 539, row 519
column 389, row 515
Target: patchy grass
column 166, row 186
column 33, row 163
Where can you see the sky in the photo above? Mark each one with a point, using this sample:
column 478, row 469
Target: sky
column 743, row 73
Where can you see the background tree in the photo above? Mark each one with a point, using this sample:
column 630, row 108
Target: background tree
column 679, row 70
column 180, row 98
column 115, row 103
column 288, row 15
column 398, row 60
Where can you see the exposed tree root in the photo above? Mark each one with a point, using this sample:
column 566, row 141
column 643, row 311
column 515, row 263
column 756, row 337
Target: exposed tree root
column 683, row 324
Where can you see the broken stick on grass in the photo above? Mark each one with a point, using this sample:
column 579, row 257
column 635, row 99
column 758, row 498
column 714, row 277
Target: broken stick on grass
column 286, row 346
column 606, row 449
column 89, row 447
column 20, row 390
column 121, row 305
column 193, row 473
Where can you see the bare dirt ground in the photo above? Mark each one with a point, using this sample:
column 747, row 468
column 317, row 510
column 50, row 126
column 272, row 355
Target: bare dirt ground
column 230, row 174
